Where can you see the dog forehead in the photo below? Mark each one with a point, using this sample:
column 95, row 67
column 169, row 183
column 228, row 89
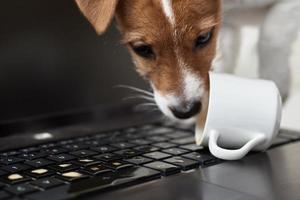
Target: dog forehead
column 137, row 14
column 156, row 16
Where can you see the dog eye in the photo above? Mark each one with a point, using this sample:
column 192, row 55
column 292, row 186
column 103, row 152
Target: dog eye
column 202, row 40
column 144, row 51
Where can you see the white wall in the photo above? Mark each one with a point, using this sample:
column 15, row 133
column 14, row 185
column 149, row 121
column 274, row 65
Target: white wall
column 247, row 66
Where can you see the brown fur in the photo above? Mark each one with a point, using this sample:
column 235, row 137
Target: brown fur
column 99, row 12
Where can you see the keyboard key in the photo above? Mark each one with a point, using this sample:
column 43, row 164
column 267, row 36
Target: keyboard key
column 104, row 149
column 178, row 134
column 158, row 138
column 165, row 168
column 65, row 142
column 96, row 169
column 147, row 127
column 175, row 151
column 33, row 155
column 203, row 159
column 40, row 172
column 47, row 146
column 156, row 155
column 76, row 147
column 141, row 141
column 83, row 153
column 15, row 168
column 21, row 189
column 47, row 183
column 29, row 150
column 55, row 150
column 115, row 136
column 192, row 147
column 72, row 176
column 86, row 161
column 146, row 148
column 99, row 142
column 117, row 165
column 4, row 195
column 61, row 158
column 133, row 135
column 182, row 141
column 93, row 143
column 15, row 178
column 127, row 153
column 184, row 163
column 10, row 153
column 101, row 136
column 161, row 130
column 37, row 163
column 108, row 157
column 10, row 160
column 82, row 139
column 123, row 145
column 138, row 160
column 164, row 145
column 64, row 167
column 131, row 130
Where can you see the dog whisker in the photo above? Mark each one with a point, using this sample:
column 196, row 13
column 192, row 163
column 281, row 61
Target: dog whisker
column 146, row 105
column 152, row 110
column 146, row 109
column 139, row 97
column 136, row 89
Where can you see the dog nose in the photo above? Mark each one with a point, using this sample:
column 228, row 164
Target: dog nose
column 188, row 111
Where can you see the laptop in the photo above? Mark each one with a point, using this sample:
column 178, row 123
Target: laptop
column 65, row 132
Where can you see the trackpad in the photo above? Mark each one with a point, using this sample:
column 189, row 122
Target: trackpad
column 181, row 187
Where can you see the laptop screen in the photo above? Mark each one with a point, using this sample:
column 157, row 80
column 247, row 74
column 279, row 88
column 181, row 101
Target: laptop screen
column 51, row 59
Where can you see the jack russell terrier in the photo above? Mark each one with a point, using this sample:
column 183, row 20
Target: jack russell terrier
column 175, row 43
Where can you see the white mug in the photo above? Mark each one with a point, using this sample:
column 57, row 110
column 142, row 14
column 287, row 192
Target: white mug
column 243, row 114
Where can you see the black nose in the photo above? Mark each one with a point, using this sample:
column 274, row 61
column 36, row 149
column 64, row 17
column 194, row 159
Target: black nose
column 188, row 111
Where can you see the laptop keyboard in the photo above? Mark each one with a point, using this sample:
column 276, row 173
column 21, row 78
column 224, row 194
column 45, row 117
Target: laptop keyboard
column 103, row 161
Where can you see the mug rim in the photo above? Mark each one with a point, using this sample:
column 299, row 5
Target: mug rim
column 204, row 129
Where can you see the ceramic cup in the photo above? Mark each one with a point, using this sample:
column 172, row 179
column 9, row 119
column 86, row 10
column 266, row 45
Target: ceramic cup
column 243, row 114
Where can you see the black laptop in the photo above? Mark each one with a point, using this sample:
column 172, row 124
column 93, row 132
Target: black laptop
column 66, row 133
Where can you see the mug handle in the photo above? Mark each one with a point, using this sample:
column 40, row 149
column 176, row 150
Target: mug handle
column 227, row 154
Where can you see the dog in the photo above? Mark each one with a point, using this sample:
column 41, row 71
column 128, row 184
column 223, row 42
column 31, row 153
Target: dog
column 175, row 43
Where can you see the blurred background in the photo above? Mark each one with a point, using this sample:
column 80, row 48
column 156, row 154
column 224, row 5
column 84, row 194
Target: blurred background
column 248, row 64
column 52, row 60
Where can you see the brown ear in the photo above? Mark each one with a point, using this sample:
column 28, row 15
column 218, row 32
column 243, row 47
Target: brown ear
column 99, row 12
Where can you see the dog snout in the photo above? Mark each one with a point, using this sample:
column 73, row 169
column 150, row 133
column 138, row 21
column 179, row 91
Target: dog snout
column 186, row 111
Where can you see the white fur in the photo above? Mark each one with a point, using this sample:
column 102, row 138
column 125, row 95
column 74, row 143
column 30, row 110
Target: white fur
column 192, row 83
column 169, row 100
column 168, row 10
column 164, row 102
column 192, row 86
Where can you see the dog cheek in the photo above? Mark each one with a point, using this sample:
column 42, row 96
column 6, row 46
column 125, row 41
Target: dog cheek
column 143, row 68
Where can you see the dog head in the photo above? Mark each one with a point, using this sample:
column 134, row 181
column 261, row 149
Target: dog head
column 172, row 43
